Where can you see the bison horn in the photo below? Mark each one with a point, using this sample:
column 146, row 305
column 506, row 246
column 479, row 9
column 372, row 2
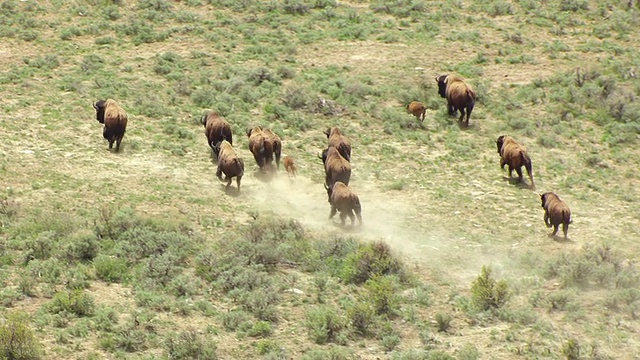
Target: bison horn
column 94, row 106
column 325, row 187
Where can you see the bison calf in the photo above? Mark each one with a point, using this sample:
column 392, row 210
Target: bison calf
column 556, row 212
column 346, row 201
column 229, row 163
column 290, row 166
column 460, row 95
column 114, row 118
column 515, row 156
column 417, row 109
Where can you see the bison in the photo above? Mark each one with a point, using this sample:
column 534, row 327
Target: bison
column 114, row 118
column 261, row 147
column 556, row 212
column 417, row 109
column 216, row 129
column 339, row 141
column 229, row 163
column 290, row 166
column 336, row 167
column 345, row 200
column 459, row 95
column 276, row 144
column 515, row 156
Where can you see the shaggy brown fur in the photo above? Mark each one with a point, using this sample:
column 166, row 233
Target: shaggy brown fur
column 417, row 109
column 556, row 212
column 290, row 166
column 339, row 141
column 336, row 167
column 216, row 129
column 114, row 118
column 261, row 148
column 346, row 201
column 459, row 95
column 276, row 144
column 515, row 156
column 229, row 163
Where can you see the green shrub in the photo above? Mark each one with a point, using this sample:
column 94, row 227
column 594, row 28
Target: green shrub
column 324, row 325
column 189, row 345
column 383, row 294
column 487, row 293
column 81, row 246
column 443, row 321
column 76, row 302
column 110, row 269
column 571, row 349
column 362, row 317
column 17, row 340
column 260, row 329
column 370, row 260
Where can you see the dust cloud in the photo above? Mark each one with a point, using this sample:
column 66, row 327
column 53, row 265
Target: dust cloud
column 389, row 216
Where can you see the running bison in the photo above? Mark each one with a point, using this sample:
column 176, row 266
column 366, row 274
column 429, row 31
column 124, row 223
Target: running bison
column 417, row 109
column 459, row 95
column 261, row 147
column 229, row 163
column 514, row 156
column 216, row 129
column 114, row 118
column 556, row 212
column 339, row 141
column 344, row 200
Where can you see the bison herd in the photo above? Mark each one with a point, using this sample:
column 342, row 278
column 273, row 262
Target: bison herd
column 266, row 146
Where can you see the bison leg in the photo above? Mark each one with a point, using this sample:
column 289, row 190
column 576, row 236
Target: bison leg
column 565, row 229
column 343, row 217
column 118, row 141
column 352, row 217
column 555, row 229
column 451, row 109
column 333, row 211
column 510, row 171
column 461, row 115
column 546, row 219
column 519, row 171
column 238, row 178
column 219, row 173
column 469, row 110
column 359, row 215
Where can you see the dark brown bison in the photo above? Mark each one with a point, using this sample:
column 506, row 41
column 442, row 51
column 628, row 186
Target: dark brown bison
column 336, row 167
column 290, row 166
column 114, row 118
column 339, row 141
column 261, row 147
column 229, row 163
column 344, row 200
column 216, row 129
column 515, row 156
column 556, row 212
column 459, row 95
column 276, row 144
column 417, row 109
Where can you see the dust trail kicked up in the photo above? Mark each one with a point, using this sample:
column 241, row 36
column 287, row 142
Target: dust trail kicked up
column 385, row 217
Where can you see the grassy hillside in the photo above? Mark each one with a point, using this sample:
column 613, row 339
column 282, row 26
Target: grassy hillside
column 141, row 254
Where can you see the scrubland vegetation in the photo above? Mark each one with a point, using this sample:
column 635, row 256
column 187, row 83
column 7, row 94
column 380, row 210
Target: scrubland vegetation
column 142, row 255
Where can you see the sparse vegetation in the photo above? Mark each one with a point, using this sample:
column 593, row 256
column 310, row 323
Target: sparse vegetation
column 142, row 254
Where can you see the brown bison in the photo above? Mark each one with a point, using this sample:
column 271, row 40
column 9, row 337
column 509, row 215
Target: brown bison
column 216, row 129
column 276, row 144
column 114, row 118
column 515, row 156
column 417, row 109
column 556, row 212
column 459, row 95
column 336, row 167
column 344, row 200
column 339, row 141
column 229, row 163
column 290, row 166
column 261, row 147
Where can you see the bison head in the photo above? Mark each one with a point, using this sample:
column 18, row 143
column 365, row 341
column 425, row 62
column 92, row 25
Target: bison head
column 442, row 85
column 99, row 106
column 500, row 142
column 324, row 155
column 543, row 198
